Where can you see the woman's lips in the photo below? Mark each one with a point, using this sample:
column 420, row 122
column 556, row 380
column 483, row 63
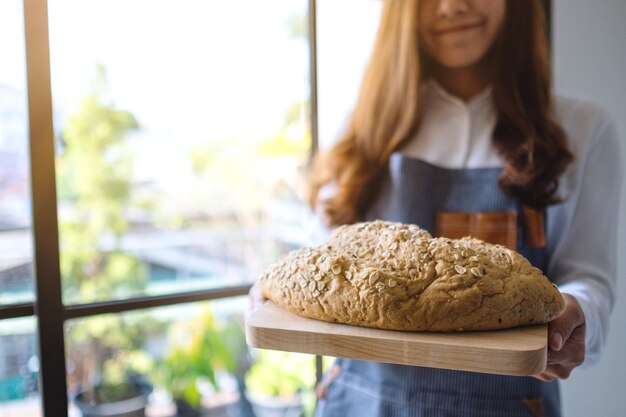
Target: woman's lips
column 458, row 28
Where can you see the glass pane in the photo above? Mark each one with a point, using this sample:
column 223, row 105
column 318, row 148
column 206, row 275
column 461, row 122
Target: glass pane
column 19, row 367
column 342, row 55
column 16, row 278
column 180, row 357
column 182, row 128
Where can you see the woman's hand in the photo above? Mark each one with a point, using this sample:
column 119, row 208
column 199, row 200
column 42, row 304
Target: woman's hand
column 566, row 342
column 255, row 299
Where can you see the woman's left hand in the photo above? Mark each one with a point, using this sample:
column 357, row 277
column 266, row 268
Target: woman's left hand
column 566, row 342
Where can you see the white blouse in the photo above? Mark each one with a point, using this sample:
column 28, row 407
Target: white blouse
column 581, row 231
column 454, row 133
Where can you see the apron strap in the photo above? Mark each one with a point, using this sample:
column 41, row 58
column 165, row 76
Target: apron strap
column 535, row 227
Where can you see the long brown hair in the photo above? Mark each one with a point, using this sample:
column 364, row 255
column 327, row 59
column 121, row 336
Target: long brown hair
column 387, row 113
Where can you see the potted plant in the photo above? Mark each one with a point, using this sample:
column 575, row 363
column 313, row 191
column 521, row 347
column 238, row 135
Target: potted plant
column 197, row 371
column 280, row 384
column 126, row 397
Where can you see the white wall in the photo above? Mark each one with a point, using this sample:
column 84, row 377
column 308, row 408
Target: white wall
column 589, row 41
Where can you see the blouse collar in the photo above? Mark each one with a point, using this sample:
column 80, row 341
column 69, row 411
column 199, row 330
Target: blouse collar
column 434, row 90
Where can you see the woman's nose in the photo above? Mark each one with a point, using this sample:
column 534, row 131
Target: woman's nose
column 449, row 8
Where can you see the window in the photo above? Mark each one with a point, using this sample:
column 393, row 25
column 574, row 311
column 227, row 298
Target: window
column 18, row 356
column 16, row 278
column 180, row 135
column 177, row 134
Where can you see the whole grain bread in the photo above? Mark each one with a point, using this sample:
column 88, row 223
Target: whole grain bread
column 396, row 276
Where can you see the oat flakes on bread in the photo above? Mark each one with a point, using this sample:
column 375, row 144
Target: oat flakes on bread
column 396, row 276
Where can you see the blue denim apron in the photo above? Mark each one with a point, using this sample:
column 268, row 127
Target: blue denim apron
column 414, row 191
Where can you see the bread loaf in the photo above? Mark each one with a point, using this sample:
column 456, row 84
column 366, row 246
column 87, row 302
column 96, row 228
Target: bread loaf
column 396, row 276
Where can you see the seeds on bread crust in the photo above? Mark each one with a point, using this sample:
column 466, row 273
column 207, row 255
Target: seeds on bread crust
column 403, row 279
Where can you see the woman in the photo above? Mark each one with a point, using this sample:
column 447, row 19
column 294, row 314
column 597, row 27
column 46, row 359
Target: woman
column 455, row 121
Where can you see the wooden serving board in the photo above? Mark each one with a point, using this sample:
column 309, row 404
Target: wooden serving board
column 519, row 351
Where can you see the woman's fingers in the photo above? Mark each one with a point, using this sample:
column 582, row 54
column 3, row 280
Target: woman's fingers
column 560, row 329
column 566, row 342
